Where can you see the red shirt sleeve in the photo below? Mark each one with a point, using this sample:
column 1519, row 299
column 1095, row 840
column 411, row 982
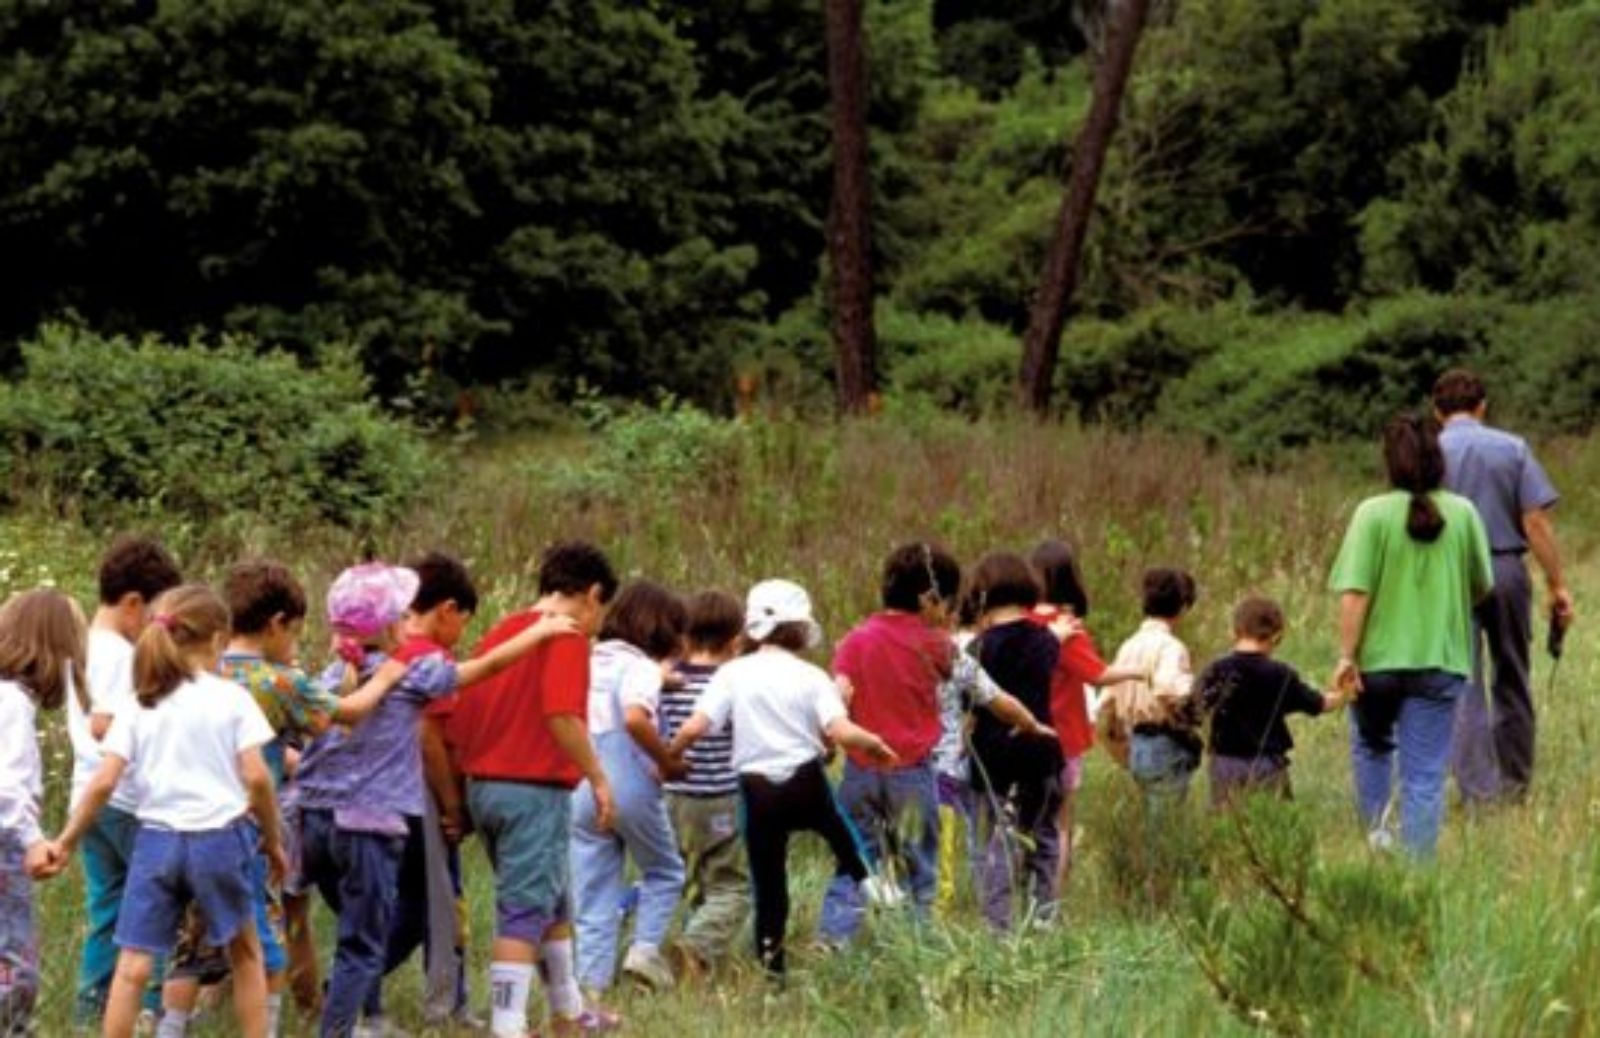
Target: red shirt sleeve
column 846, row 658
column 564, row 677
column 1081, row 660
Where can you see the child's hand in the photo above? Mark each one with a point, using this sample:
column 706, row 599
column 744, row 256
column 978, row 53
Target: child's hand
column 605, row 804
column 277, row 864
column 454, row 825
column 673, row 769
column 1347, row 678
column 44, row 859
column 880, row 752
column 670, row 678
column 553, row 625
column 1038, row 730
column 1066, row 627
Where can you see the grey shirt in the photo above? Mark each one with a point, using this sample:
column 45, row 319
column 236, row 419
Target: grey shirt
column 1500, row 475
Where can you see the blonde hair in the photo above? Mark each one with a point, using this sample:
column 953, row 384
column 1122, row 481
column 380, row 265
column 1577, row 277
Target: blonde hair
column 43, row 640
column 184, row 621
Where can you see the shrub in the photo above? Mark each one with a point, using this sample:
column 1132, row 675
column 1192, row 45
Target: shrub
column 203, row 431
column 642, row 451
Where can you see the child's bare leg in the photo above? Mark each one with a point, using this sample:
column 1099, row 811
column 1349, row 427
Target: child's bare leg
column 249, row 983
column 127, row 988
column 1064, row 827
column 303, row 979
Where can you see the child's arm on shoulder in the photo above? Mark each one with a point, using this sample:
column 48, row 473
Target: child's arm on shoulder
column 1009, row 709
column 264, row 808
column 548, row 626
column 358, row 704
column 845, row 732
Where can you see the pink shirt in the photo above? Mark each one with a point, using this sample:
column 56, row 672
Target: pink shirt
column 895, row 663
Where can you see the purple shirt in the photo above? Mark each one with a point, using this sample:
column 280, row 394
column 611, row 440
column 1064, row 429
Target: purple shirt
column 372, row 773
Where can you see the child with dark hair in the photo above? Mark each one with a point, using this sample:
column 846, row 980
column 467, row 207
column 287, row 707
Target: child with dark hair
column 784, row 712
column 1150, row 724
column 889, row 670
column 361, row 792
column 41, row 667
column 133, row 573
column 1065, row 600
column 641, row 636
column 193, row 741
column 268, row 610
column 509, row 752
column 704, row 804
column 1247, row 694
column 1018, row 781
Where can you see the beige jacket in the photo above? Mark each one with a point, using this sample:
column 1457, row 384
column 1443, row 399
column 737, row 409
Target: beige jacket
column 1156, row 651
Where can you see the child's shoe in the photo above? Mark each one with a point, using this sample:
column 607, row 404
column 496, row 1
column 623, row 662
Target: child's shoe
column 646, row 963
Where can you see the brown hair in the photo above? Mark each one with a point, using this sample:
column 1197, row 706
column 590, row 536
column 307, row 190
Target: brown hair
column 716, row 621
column 1257, row 618
column 260, row 590
column 1004, row 579
column 136, row 565
column 1415, row 461
column 793, row 636
column 185, row 620
column 648, row 617
column 1168, row 593
column 1458, row 391
column 42, row 640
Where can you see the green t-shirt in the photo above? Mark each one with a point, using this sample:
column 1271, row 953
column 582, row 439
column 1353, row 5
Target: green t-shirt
column 1420, row 596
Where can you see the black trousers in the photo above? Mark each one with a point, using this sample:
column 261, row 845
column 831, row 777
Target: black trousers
column 774, row 811
column 1494, row 737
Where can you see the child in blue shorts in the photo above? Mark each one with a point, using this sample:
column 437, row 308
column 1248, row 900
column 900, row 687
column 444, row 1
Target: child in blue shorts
column 193, row 743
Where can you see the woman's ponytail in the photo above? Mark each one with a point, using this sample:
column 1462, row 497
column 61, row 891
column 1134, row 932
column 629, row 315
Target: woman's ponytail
column 1415, row 461
column 183, row 621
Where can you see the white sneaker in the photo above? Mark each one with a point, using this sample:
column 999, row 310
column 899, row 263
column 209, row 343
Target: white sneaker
column 645, row 962
column 882, row 892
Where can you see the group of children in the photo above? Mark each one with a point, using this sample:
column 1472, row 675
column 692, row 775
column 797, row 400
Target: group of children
column 216, row 785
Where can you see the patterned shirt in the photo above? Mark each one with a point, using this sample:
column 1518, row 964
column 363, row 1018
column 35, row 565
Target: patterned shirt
column 710, row 759
column 287, row 696
column 370, row 776
column 968, row 687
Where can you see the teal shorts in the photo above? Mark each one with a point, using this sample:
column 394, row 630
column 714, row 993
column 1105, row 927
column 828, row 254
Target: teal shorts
column 525, row 829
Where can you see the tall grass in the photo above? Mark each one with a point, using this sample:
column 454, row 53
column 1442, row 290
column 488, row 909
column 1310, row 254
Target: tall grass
column 1286, row 925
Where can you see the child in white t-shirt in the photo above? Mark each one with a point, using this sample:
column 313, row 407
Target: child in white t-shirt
column 784, row 711
column 41, row 666
column 192, row 742
column 643, row 631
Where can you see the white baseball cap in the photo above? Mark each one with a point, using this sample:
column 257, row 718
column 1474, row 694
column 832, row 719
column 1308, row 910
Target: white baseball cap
column 772, row 603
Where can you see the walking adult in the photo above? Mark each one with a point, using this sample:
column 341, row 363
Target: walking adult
column 1413, row 564
column 1494, row 738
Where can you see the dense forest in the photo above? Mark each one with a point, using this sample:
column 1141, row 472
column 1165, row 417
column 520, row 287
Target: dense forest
column 1304, row 196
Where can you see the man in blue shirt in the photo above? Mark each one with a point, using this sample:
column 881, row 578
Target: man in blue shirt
column 1494, row 737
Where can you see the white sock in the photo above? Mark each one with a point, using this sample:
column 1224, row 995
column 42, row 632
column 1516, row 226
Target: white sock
column 509, row 986
column 174, row 1024
column 274, row 1013
column 560, row 979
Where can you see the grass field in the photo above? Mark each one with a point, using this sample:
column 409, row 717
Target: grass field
column 1280, row 920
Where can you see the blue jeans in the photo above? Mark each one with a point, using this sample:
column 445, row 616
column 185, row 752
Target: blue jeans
column 1161, row 765
column 896, row 814
column 107, row 851
column 1412, row 711
column 358, row 875
column 643, row 831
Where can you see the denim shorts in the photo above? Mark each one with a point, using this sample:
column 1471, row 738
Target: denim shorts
column 208, row 963
column 215, row 869
column 526, row 830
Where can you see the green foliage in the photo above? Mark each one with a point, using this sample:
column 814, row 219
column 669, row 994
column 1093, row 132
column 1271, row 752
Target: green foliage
column 641, row 452
column 1506, row 193
column 207, row 432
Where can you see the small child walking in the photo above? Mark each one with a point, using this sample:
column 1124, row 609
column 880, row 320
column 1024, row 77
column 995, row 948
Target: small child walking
column 643, row 632
column 41, row 664
column 1150, row 724
column 784, row 712
column 1247, row 695
column 704, row 804
column 193, row 742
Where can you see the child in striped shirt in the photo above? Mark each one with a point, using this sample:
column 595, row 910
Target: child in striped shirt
column 705, row 803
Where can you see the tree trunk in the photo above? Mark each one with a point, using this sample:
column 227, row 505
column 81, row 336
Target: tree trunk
column 1059, row 280
column 850, row 214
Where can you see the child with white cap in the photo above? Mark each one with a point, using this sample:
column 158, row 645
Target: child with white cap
column 784, row 711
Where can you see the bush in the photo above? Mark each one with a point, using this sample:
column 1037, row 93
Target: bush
column 203, row 431
column 641, row 451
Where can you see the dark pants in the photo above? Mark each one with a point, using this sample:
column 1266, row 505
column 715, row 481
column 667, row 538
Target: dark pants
column 1233, row 778
column 358, row 875
column 1493, row 748
column 774, row 811
column 415, row 915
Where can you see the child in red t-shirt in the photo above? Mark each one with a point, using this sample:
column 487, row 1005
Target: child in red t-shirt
column 890, row 669
column 1080, row 664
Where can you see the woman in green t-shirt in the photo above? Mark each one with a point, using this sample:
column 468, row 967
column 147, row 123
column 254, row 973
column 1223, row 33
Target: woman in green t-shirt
column 1413, row 564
